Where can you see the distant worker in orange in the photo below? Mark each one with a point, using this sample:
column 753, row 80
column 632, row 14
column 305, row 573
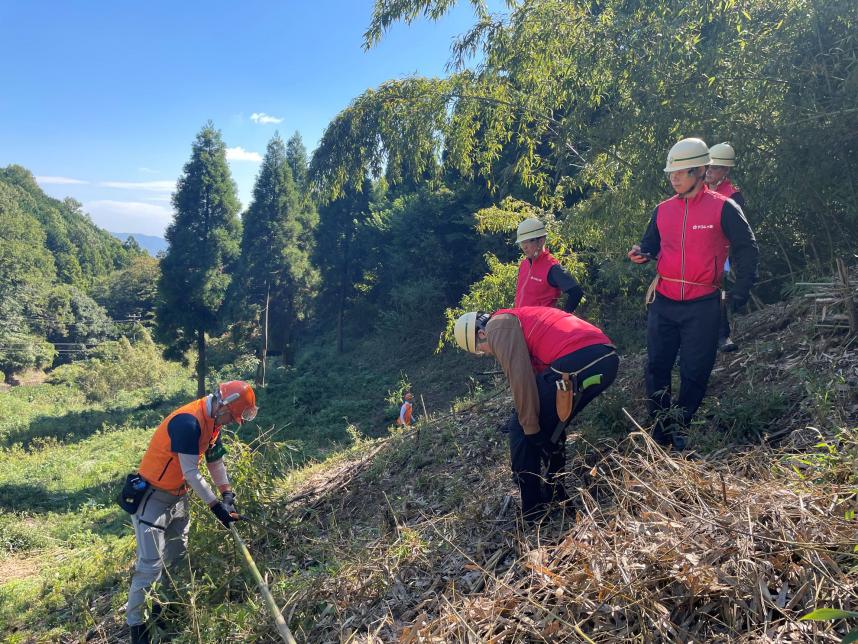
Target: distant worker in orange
column 406, row 410
column 541, row 278
column 157, row 496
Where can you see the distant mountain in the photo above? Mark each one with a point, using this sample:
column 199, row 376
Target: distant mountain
column 153, row 245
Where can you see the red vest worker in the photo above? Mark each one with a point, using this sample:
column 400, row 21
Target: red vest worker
column 541, row 278
column 556, row 364
column 690, row 235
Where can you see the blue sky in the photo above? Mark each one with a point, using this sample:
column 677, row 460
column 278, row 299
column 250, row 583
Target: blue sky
column 101, row 100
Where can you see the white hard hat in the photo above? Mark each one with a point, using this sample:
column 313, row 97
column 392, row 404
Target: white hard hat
column 465, row 331
column 687, row 153
column 530, row 228
column 722, row 154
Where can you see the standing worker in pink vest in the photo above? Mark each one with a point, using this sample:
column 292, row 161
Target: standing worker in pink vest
column 541, row 278
column 690, row 235
column 555, row 364
column 722, row 157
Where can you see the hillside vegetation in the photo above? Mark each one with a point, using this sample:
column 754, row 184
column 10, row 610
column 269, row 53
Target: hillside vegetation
column 51, row 256
column 334, row 291
column 413, row 536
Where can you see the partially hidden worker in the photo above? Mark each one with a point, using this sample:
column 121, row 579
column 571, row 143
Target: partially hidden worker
column 556, row 364
column 542, row 280
column 690, row 236
column 169, row 468
column 722, row 160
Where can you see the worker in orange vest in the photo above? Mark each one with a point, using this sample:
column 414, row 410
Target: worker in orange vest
column 406, row 410
column 170, row 466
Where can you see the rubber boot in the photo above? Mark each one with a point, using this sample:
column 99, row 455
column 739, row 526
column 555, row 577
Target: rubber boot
column 139, row 633
column 660, row 435
column 726, row 345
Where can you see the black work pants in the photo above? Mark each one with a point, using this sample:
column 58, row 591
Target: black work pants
column 689, row 329
column 533, row 455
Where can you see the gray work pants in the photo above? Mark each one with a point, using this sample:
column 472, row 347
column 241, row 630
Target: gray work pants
column 161, row 528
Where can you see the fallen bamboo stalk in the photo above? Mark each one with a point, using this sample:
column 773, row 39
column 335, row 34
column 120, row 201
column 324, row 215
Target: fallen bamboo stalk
column 279, row 622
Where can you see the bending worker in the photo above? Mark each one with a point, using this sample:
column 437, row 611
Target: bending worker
column 169, row 467
column 690, row 235
column 722, row 158
column 555, row 363
column 541, row 278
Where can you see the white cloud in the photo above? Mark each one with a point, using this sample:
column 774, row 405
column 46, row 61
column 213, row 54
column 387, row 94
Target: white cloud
column 59, row 180
column 129, row 216
column 151, row 186
column 238, row 153
column 264, row 119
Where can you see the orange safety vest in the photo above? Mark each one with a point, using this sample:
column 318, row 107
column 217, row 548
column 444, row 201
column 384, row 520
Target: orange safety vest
column 407, row 407
column 160, row 465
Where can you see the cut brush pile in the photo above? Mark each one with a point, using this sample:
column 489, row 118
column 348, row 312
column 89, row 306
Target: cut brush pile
column 653, row 548
column 665, row 549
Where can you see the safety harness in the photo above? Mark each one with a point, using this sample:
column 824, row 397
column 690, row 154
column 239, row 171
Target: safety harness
column 568, row 389
column 650, row 292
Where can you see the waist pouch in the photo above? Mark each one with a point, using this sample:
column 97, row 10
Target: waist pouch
column 568, row 388
column 132, row 492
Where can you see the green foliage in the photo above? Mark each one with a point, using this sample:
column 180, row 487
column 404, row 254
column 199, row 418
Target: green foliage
column 131, row 292
column 74, row 317
column 296, row 157
column 81, row 252
column 340, row 251
column 115, row 367
column 275, row 246
column 49, row 252
column 203, row 243
column 562, row 115
column 830, row 614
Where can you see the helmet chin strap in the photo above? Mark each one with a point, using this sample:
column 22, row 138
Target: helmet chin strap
column 697, row 182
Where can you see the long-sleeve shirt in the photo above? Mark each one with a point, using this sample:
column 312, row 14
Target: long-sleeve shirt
column 744, row 253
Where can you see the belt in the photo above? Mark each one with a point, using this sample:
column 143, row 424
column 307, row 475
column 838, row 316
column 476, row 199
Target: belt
column 650, row 292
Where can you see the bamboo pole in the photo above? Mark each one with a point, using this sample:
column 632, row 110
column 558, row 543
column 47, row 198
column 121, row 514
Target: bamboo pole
column 279, row 622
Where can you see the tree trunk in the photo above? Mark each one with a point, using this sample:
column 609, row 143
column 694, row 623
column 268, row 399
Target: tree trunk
column 344, row 276
column 265, row 334
column 201, row 363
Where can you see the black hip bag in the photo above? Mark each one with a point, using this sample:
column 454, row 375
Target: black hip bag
column 132, row 492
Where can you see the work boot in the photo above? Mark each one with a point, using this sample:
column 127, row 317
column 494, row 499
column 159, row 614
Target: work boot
column 556, row 493
column 726, row 345
column 660, row 436
column 678, row 441
column 139, row 633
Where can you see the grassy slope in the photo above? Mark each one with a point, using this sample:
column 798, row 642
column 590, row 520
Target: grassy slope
column 402, row 535
column 66, row 549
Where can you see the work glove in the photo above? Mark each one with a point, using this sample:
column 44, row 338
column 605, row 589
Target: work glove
column 223, row 514
column 229, row 501
column 737, row 301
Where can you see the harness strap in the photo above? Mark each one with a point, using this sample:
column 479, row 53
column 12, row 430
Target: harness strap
column 586, row 366
column 568, row 382
column 650, row 292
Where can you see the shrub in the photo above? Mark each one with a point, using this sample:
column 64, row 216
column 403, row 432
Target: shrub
column 116, row 366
